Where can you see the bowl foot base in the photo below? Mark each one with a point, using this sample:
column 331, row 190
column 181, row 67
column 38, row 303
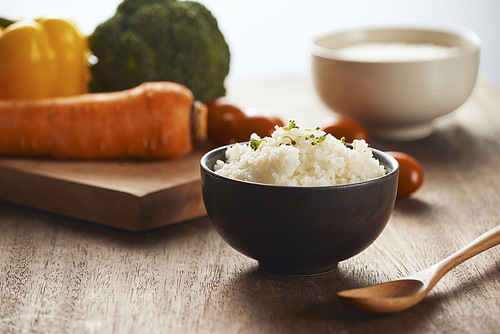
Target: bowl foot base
column 400, row 132
column 297, row 271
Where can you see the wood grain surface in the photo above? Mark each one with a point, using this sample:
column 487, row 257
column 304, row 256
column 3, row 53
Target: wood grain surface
column 62, row 275
column 131, row 195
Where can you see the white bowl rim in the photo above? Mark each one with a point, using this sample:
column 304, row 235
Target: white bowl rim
column 323, row 52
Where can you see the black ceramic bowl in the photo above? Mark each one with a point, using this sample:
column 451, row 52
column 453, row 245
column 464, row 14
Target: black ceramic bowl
column 298, row 230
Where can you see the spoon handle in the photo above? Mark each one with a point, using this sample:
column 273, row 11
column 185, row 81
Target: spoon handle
column 478, row 245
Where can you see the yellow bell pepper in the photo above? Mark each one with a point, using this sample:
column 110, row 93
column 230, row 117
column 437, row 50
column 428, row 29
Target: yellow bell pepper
column 43, row 58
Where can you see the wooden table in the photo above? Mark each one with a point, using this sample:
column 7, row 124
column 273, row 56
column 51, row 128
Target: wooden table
column 61, row 275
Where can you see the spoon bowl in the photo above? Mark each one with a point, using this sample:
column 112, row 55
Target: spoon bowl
column 401, row 294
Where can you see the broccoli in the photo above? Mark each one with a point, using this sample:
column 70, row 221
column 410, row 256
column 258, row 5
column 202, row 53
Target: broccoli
column 293, row 142
column 160, row 40
column 342, row 140
column 291, row 125
column 255, row 143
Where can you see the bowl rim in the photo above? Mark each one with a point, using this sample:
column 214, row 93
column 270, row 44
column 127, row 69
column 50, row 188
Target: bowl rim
column 328, row 53
column 392, row 161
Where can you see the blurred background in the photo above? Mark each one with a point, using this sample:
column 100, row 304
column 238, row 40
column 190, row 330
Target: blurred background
column 269, row 38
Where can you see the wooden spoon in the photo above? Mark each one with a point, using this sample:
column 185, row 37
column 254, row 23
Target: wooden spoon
column 403, row 293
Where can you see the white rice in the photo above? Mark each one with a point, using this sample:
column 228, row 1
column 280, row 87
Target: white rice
column 315, row 159
column 396, row 51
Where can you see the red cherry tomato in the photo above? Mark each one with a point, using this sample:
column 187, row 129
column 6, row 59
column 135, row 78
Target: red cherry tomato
column 277, row 121
column 340, row 126
column 411, row 175
column 242, row 128
column 221, row 114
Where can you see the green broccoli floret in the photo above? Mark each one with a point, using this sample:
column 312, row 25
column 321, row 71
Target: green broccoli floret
column 255, row 143
column 342, row 140
column 291, row 125
column 160, row 40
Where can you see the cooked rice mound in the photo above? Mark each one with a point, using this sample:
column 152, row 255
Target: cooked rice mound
column 300, row 157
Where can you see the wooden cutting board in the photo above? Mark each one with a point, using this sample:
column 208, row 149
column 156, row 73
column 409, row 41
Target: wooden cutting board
column 130, row 195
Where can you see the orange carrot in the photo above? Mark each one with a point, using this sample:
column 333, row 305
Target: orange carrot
column 152, row 120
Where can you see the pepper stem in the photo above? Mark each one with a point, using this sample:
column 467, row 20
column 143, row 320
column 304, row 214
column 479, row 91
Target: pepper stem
column 4, row 23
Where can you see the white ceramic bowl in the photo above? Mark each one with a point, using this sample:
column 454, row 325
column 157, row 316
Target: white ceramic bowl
column 395, row 100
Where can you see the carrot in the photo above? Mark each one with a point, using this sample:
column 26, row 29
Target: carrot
column 152, row 120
